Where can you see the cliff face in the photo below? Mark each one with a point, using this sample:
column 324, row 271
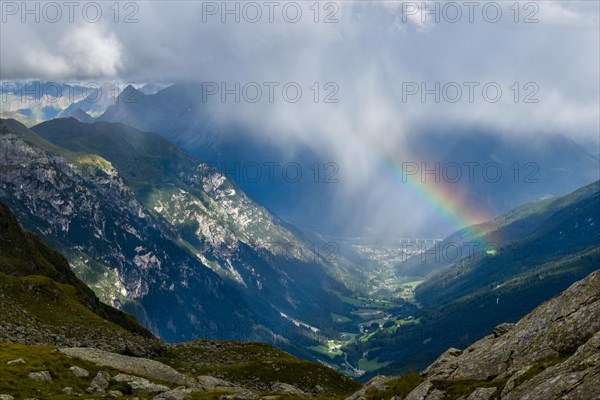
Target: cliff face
column 552, row 353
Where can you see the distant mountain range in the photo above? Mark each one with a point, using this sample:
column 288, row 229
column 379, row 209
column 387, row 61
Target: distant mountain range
column 37, row 101
column 33, row 102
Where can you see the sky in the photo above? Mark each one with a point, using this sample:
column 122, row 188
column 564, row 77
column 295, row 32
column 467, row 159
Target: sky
column 371, row 60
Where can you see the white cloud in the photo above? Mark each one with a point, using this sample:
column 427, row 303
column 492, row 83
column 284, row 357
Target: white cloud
column 59, row 52
column 569, row 13
column 89, row 52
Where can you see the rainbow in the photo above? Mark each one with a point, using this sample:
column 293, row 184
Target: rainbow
column 442, row 197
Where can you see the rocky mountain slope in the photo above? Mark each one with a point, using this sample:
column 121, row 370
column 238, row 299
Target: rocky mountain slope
column 166, row 238
column 104, row 352
column 552, row 353
column 37, row 285
column 79, row 204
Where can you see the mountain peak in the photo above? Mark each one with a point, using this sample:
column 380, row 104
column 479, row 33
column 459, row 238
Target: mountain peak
column 130, row 95
column 81, row 116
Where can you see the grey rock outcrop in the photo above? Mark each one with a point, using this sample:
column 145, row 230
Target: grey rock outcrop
column 140, row 366
column 140, row 385
column 79, row 372
column 287, row 389
column 180, row 393
column 100, row 383
column 482, row 393
column 436, row 394
column 210, row 383
column 502, row 329
column 377, row 384
column 557, row 327
column 41, row 376
column 245, row 395
column 577, row 378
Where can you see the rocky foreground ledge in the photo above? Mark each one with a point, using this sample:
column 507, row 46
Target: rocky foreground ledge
column 142, row 378
column 201, row 369
column 552, row 353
